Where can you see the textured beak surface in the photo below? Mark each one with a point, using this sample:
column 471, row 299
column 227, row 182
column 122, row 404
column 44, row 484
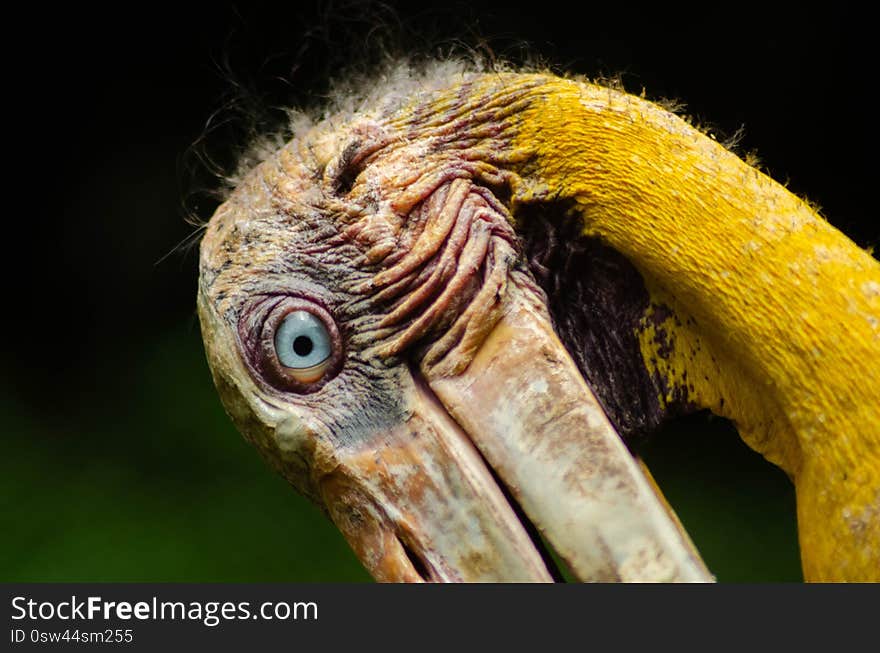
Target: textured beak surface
column 420, row 504
column 529, row 411
column 424, row 506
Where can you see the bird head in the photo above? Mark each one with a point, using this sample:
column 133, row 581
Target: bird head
column 392, row 317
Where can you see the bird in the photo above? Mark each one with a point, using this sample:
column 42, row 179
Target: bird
column 442, row 310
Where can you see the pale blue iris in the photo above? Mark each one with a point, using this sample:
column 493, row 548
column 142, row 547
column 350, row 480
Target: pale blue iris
column 302, row 341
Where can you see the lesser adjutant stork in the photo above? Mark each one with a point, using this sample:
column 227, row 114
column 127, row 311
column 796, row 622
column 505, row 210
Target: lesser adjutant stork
column 441, row 315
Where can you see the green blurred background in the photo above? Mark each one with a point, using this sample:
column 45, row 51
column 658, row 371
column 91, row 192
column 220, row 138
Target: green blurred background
column 120, row 464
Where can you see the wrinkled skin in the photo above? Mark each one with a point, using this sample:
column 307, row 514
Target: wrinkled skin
column 449, row 409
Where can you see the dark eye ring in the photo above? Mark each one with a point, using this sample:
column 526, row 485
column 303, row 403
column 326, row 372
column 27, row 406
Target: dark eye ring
column 299, row 345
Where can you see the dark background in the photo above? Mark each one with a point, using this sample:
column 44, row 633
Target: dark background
column 120, row 464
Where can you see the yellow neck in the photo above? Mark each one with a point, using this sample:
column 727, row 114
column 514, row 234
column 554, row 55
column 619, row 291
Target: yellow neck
column 761, row 310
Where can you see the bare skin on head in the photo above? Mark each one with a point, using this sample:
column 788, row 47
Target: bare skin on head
column 377, row 329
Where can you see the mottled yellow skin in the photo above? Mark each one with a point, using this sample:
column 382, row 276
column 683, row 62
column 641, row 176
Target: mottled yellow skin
column 775, row 314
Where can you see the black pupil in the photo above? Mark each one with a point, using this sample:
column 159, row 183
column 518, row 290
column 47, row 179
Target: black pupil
column 302, row 346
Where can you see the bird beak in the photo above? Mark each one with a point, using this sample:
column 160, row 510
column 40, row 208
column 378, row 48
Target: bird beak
column 422, row 504
column 419, row 504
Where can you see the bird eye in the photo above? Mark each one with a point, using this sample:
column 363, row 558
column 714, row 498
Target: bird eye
column 303, row 346
column 292, row 343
